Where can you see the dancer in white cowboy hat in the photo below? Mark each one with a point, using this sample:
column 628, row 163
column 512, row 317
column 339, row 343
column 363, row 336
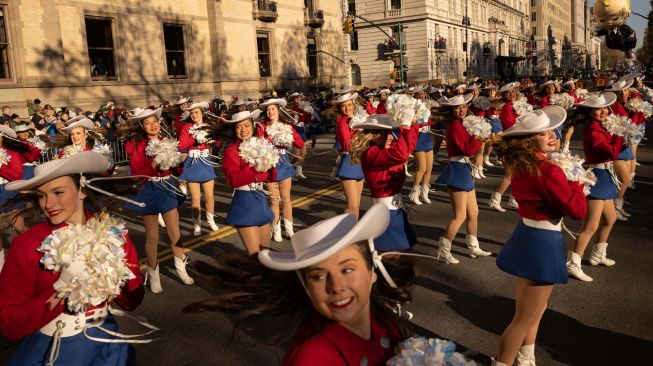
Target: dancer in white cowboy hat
column 423, row 152
column 249, row 211
column 508, row 118
column 601, row 150
column 535, row 251
column 339, row 310
column 350, row 174
column 303, row 118
column 159, row 191
column 76, row 136
column 33, row 143
column 278, row 128
column 199, row 172
column 382, row 159
column 626, row 162
column 457, row 176
column 56, row 305
column 570, row 125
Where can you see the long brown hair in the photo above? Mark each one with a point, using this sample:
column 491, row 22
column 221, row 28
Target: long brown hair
column 517, row 153
column 363, row 141
column 246, row 289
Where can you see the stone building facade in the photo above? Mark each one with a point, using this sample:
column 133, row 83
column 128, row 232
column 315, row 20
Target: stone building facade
column 87, row 52
column 435, row 37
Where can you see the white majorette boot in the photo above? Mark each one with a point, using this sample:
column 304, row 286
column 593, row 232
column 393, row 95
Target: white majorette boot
column 414, row 195
column 444, row 251
column 496, row 363
column 486, row 160
column 475, row 173
column 480, row 172
column 526, row 356
column 574, row 267
column 287, row 228
column 211, row 221
column 495, row 202
column 180, row 267
column 619, row 206
column 598, row 255
column 276, row 231
column 162, row 223
column 197, row 225
column 424, row 194
column 512, row 203
column 565, row 147
column 473, row 248
column 406, row 171
column 153, row 279
column 300, row 172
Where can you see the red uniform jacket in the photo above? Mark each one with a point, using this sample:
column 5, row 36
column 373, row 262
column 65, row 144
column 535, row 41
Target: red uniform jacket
column 337, row 346
column 384, row 167
column 33, row 154
column 370, row 108
column 576, row 99
column 459, row 141
column 531, row 100
column 549, row 195
column 619, row 109
column 507, row 116
column 343, row 132
column 240, row 173
column 13, row 170
column 545, row 101
column 25, row 285
column 296, row 139
column 381, row 108
column 600, row 146
column 302, row 115
column 140, row 163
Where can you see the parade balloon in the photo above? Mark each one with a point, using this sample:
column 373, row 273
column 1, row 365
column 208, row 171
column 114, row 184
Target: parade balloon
column 611, row 14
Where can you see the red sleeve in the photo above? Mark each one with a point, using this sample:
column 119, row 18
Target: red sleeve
column 606, row 146
column 343, row 132
column 398, row 153
column 133, row 291
column 465, row 142
column 638, row 118
column 370, row 108
column 297, row 140
column 545, row 102
column 636, row 95
column 508, row 117
column 186, row 141
column 33, row 154
column 381, row 109
column 13, row 170
column 314, row 352
column 567, row 196
column 23, row 311
column 237, row 173
column 136, row 160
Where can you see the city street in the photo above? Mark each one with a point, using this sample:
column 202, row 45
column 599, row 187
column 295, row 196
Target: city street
column 607, row 322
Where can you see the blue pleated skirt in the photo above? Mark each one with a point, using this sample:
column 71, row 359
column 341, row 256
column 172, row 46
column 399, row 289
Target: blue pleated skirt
column 158, row 197
column 399, row 235
column 535, row 254
column 605, row 188
column 337, row 145
column 626, row 154
column 6, row 196
column 76, row 350
column 457, row 175
column 301, row 130
column 249, row 208
column 28, row 171
column 198, row 171
column 495, row 122
column 347, row 170
column 424, row 142
column 285, row 169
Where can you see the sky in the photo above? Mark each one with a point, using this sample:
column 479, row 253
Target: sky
column 636, row 22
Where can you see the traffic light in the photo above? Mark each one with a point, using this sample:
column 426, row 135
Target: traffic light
column 348, row 25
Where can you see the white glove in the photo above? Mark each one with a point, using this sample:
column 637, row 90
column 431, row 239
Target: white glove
column 408, row 117
column 75, row 269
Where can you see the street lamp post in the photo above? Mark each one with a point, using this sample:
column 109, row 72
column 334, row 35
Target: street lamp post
column 466, row 23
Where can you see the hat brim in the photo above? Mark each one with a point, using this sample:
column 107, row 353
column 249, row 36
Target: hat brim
column 371, row 126
column 250, row 115
column 340, row 101
column 278, row 101
column 448, row 103
column 610, row 99
column 21, row 128
column 202, row 105
column 628, row 84
column 557, row 116
column 147, row 113
column 509, row 87
column 84, row 122
column 81, row 163
column 372, row 225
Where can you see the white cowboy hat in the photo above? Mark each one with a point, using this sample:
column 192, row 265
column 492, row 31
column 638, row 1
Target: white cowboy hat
column 182, row 100
column 547, row 83
column 400, row 90
column 326, row 238
column 345, row 90
column 201, row 105
column 80, row 163
column 344, row 97
column 79, row 121
column 7, row 131
column 237, row 103
column 139, row 114
column 249, row 102
column 295, row 94
column 241, row 116
column 377, row 122
column 509, row 86
column 489, row 86
column 455, row 101
column 416, row 89
column 540, row 120
column 278, row 101
column 473, row 86
column 620, row 84
column 598, row 100
column 386, row 91
column 569, row 82
column 21, row 128
column 460, row 86
column 634, row 75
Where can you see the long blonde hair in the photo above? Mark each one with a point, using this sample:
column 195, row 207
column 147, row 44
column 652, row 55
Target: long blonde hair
column 360, row 143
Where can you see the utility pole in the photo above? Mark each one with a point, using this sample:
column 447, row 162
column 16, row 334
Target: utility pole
column 466, row 23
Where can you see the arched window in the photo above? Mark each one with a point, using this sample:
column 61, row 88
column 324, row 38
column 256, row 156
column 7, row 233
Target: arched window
column 355, row 74
column 502, row 45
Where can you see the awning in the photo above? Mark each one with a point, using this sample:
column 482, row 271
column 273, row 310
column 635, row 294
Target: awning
column 510, row 58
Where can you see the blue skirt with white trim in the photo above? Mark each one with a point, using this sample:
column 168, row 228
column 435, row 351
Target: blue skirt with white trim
column 196, row 170
column 457, row 175
column 158, row 198
column 347, row 170
column 285, row 169
column 249, row 208
column 605, row 188
column 424, row 142
column 626, row 154
column 399, row 235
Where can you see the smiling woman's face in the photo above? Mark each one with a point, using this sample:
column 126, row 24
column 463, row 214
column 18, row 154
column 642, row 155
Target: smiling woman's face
column 61, row 200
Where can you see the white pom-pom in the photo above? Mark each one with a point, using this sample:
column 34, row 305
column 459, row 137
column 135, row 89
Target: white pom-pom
column 403, row 108
column 39, row 144
column 259, row 153
column 581, row 93
column 477, row 126
column 375, row 104
column 71, row 150
column 482, row 103
column 572, row 166
column 638, row 105
column 165, row 152
column 280, row 134
column 5, row 158
column 563, row 100
column 624, row 126
column 200, row 134
column 522, row 107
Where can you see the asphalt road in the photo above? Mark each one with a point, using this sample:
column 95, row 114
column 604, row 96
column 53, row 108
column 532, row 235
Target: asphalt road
column 607, row 322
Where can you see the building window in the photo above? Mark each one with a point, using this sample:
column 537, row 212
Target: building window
column 101, row 53
column 351, row 6
column 4, row 46
column 395, row 4
column 173, row 36
column 311, row 57
column 355, row 74
column 353, row 41
column 533, row 16
column 263, row 45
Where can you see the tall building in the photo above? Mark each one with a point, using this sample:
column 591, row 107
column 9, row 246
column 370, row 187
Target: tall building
column 87, row 52
column 552, row 32
column 443, row 39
